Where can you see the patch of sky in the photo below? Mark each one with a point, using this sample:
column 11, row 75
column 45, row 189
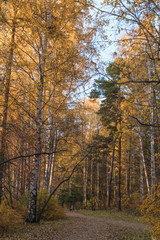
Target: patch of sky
column 109, row 32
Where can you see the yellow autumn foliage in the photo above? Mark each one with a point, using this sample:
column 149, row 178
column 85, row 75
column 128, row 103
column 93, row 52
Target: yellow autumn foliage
column 151, row 212
column 53, row 210
column 9, row 217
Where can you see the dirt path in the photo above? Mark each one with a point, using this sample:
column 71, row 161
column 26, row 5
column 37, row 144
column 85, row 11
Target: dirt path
column 79, row 227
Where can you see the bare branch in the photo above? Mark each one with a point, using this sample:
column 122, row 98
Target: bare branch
column 63, row 181
column 145, row 124
column 30, row 155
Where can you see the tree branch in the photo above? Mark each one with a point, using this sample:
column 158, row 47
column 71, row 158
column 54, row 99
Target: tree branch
column 63, row 181
column 30, row 155
column 145, row 124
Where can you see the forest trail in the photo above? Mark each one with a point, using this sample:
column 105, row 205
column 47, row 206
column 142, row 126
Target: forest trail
column 80, row 227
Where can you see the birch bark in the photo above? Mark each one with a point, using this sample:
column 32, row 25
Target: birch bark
column 35, row 179
column 141, row 177
column 52, row 132
column 52, row 163
column 142, row 151
column 153, row 172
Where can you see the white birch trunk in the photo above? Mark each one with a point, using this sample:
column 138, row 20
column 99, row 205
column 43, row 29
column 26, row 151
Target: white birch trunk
column 35, row 180
column 142, row 157
column 141, row 177
column 141, row 146
column 153, row 172
column 151, row 107
column 142, row 152
column 49, row 166
column 36, row 163
column 52, row 164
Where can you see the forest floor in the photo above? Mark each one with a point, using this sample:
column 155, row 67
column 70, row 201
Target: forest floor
column 77, row 226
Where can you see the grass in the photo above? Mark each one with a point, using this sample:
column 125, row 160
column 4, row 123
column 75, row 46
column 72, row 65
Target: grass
column 113, row 214
column 144, row 235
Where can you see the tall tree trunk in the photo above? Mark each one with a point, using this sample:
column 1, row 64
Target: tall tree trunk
column 35, row 179
column 153, row 172
column 111, row 175
column 84, row 185
column 151, row 107
column 6, row 101
column 107, row 182
column 91, row 186
column 51, row 172
column 97, row 185
column 119, row 174
column 141, row 149
column 129, row 172
column 28, row 161
column 141, row 177
column 128, row 166
column 49, row 166
column 28, row 172
column 158, row 128
column 119, row 127
column 142, row 157
column 49, row 141
column 18, row 179
column 13, row 171
column 114, row 183
column 133, row 172
column 10, row 184
column 36, row 161
column 22, row 161
column 52, row 164
column 47, row 169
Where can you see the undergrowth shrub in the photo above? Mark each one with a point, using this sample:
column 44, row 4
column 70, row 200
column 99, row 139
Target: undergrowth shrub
column 151, row 212
column 21, row 205
column 53, row 210
column 18, row 213
column 132, row 203
column 9, row 217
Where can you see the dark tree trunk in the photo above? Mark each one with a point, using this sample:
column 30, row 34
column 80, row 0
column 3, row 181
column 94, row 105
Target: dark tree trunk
column 111, row 176
column 5, row 107
column 119, row 176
